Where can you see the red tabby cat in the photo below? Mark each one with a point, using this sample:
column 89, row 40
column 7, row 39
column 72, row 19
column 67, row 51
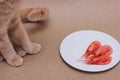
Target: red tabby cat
column 12, row 32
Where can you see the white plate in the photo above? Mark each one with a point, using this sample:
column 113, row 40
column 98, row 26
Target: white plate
column 75, row 45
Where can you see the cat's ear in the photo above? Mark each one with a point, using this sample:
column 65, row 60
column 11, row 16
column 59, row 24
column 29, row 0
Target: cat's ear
column 38, row 14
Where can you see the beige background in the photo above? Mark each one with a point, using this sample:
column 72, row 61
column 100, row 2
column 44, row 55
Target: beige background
column 66, row 16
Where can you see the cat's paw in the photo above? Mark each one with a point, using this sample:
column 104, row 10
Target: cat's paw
column 15, row 61
column 35, row 48
column 20, row 51
column 38, row 14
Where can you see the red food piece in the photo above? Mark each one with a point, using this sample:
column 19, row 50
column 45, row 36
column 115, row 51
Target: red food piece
column 98, row 54
column 101, row 60
column 104, row 50
column 92, row 48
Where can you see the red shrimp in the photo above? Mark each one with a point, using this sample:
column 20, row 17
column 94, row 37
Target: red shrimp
column 92, row 48
column 104, row 50
column 101, row 60
column 98, row 54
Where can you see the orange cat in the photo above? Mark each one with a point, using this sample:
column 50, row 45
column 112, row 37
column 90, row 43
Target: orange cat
column 13, row 34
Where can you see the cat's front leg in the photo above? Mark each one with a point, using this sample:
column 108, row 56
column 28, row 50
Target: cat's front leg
column 19, row 36
column 19, row 50
column 7, row 49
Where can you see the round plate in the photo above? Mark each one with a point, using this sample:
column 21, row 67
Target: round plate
column 75, row 45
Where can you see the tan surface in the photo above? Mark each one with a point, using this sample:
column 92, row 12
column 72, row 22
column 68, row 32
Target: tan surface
column 66, row 16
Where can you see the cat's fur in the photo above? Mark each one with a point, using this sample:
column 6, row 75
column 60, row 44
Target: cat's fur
column 36, row 14
column 14, row 41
